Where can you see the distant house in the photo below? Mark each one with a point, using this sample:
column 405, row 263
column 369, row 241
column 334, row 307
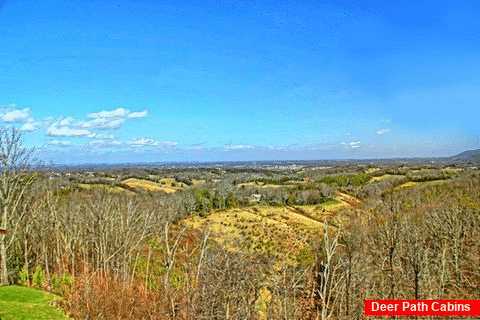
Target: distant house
column 257, row 197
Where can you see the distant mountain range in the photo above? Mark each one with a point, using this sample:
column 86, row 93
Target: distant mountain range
column 468, row 154
column 464, row 156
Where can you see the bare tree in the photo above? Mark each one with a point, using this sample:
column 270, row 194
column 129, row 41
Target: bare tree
column 329, row 274
column 16, row 179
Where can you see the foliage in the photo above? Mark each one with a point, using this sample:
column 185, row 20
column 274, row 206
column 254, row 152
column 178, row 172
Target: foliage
column 24, row 279
column 38, row 278
column 340, row 181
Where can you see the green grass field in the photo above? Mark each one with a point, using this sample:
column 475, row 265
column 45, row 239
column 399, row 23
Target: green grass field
column 18, row 302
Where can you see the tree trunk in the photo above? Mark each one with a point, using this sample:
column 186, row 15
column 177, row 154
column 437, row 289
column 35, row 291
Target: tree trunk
column 3, row 253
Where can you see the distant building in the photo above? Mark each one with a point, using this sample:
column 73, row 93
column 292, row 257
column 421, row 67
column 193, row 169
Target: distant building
column 257, row 197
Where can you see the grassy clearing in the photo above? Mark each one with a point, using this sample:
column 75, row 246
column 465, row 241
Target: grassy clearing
column 109, row 188
column 284, row 232
column 276, row 231
column 150, row 185
column 372, row 170
column 330, row 203
column 168, row 181
column 18, row 302
column 407, row 184
column 410, row 184
column 385, row 177
column 452, row 170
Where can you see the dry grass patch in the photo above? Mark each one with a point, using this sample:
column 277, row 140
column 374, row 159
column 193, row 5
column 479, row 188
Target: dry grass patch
column 452, row 170
column 168, row 181
column 109, row 188
column 407, row 184
column 385, row 177
column 329, row 210
column 247, row 184
column 148, row 185
column 261, row 229
column 142, row 184
column 274, row 186
column 348, row 200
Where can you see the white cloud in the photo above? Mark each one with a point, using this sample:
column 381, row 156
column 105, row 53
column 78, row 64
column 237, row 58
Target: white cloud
column 101, row 136
column 60, row 143
column 196, row 146
column 15, row 115
column 66, row 121
column 104, row 143
column 68, row 127
column 30, row 125
column 238, row 147
column 65, row 131
column 117, row 113
column 382, row 131
column 147, row 142
column 105, row 120
column 101, row 123
column 169, row 143
column 141, row 114
column 10, row 114
column 353, row 144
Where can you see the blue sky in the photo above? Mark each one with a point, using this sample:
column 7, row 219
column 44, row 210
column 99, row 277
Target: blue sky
column 147, row 81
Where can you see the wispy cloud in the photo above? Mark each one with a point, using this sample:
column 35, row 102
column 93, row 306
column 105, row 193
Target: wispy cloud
column 382, row 131
column 104, row 143
column 237, row 147
column 101, row 123
column 60, row 143
column 353, row 144
column 30, row 125
column 106, row 120
column 148, row 142
column 66, row 121
column 117, row 113
column 102, row 120
column 101, row 136
column 55, row 131
column 15, row 115
column 196, row 146
column 10, row 114
column 141, row 114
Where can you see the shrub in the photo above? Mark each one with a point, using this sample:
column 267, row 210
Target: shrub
column 55, row 283
column 340, row 181
column 24, row 278
column 38, row 278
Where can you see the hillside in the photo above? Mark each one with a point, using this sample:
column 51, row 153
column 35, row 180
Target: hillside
column 468, row 154
column 282, row 232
